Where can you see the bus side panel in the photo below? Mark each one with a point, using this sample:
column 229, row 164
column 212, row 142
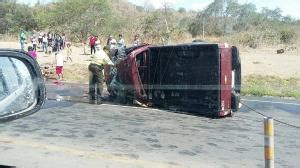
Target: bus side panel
column 186, row 77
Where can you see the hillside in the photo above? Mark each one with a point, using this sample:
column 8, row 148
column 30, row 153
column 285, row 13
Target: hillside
column 239, row 24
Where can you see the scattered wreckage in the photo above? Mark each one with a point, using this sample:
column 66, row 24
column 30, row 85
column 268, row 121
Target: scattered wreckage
column 199, row 78
column 48, row 71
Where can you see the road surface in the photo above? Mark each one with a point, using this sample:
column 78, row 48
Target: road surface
column 79, row 135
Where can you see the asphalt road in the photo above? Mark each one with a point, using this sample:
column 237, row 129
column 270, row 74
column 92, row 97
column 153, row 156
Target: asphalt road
column 72, row 134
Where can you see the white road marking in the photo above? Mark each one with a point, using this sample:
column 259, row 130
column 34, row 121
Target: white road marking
column 272, row 102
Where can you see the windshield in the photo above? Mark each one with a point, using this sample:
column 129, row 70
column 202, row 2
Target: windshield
column 8, row 76
column 156, row 83
column 17, row 91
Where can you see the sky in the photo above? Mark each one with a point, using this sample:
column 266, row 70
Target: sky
column 289, row 7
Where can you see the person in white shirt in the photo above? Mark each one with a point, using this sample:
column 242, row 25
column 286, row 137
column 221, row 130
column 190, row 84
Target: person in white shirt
column 34, row 42
column 41, row 34
column 121, row 42
column 63, row 41
column 45, row 43
column 97, row 43
column 59, row 60
column 136, row 41
column 113, row 44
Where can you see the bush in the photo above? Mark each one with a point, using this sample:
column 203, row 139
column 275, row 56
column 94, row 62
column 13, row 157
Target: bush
column 249, row 39
column 286, row 36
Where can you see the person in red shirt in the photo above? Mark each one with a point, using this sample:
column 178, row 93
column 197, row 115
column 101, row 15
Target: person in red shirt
column 93, row 40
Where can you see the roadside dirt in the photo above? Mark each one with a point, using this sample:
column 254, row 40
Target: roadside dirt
column 254, row 61
column 267, row 62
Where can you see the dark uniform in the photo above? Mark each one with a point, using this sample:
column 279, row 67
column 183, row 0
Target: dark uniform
column 96, row 67
column 95, row 83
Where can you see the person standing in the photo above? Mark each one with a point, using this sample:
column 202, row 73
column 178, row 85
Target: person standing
column 121, row 42
column 97, row 43
column 136, row 40
column 45, row 43
column 56, row 42
column 50, row 39
column 23, row 40
column 32, row 52
column 108, row 40
column 63, row 41
column 40, row 39
column 34, row 42
column 59, row 60
column 113, row 44
column 95, row 68
column 93, row 44
column 69, row 52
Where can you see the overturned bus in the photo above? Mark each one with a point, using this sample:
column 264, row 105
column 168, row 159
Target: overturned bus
column 198, row 78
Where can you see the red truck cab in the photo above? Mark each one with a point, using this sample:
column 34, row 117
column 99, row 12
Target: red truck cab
column 198, row 78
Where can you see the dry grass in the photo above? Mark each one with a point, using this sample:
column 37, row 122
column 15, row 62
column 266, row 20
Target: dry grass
column 258, row 85
column 8, row 37
column 76, row 73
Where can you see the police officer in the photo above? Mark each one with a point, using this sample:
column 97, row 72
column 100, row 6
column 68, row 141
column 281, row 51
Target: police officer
column 98, row 61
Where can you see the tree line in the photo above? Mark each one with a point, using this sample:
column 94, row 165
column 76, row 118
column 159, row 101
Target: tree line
column 243, row 23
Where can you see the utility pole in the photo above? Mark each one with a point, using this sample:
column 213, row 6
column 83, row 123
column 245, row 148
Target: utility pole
column 166, row 22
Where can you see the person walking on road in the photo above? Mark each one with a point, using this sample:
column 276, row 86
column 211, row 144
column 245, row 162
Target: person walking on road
column 98, row 61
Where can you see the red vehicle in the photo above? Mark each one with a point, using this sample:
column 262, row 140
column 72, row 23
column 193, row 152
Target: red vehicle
column 198, row 78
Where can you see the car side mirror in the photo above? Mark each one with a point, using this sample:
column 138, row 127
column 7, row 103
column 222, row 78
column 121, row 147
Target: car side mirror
column 22, row 88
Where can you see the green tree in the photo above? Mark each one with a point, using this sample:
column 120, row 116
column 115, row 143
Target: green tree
column 14, row 16
column 274, row 15
column 79, row 17
column 182, row 10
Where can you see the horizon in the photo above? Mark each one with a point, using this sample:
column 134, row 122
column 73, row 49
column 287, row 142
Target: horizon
column 197, row 5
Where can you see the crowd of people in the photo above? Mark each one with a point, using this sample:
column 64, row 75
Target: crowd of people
column 48, row 43
column 103, row 59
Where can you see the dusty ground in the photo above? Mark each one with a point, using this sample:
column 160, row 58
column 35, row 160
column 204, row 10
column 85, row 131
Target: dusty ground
column 254, row 61
column 267, row 62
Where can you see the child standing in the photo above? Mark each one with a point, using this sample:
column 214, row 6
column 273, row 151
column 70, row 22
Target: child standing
column 69, row 52
column 59, row 59
column 32, row 52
